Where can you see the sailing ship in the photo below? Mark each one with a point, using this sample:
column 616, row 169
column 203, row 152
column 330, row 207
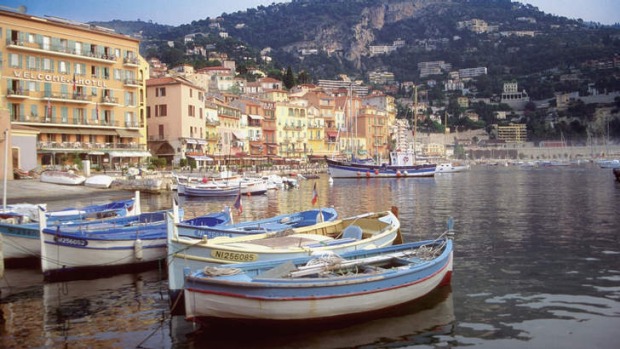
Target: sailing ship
column 401, row 163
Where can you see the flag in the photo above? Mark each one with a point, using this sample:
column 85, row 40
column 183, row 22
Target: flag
column 315, row 195
column 48, row 111
column 74, row 86
column 238, row 204
column 97, row 111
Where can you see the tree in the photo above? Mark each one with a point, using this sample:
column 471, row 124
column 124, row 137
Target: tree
column 289, row 78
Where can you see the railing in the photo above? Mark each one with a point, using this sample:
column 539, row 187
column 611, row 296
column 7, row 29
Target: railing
column 17, row 93
column 42, row 119
column 59, row 49
column 86, row 146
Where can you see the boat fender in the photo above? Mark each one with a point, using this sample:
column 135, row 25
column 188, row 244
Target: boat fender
column 405, row 173
column 376, row 172
column 397, row 173
column 367, row 174
column 137, row 249
column 359, row 173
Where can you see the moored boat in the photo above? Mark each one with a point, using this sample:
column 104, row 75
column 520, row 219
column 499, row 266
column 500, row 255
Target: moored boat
column 62, row 177
column 99, row 181
column 364, row 231
column 73, row 251
column 401, row 165
column 21, row 231
column 450, row 167
column 321, row 286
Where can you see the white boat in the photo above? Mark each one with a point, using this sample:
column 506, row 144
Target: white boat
column 62, row 177
column 451, row 167
column 360, row 232
column 99, row 181
column 320, row 286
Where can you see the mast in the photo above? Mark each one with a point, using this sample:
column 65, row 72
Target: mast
column 415, row 121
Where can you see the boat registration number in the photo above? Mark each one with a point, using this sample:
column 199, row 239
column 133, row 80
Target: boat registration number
column 234, row 256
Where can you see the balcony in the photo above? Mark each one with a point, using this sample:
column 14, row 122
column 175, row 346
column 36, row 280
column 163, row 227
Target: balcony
column 35, row 119
column 70, row 98
column 81, row 147
column 131, row 83
column 107, row 100
column 59, row 51
column 17, row 94
column 130, row 61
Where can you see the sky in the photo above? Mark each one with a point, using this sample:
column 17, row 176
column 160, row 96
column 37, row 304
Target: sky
column 185, row 11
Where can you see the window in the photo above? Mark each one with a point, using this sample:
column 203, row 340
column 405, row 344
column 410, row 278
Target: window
column 191, row 110
column 47, row 64
column 32, row 62
column 62, row 67
column 191, row 93
column 14, row 60
column 161, row 110
column 160, row 92
column 148, row 112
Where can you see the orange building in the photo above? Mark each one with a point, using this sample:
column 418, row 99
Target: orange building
column 80, row 86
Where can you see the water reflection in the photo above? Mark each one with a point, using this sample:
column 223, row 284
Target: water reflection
column 537, row 256
column 420, row 322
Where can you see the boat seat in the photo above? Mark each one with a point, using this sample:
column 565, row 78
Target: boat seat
column 352, row 232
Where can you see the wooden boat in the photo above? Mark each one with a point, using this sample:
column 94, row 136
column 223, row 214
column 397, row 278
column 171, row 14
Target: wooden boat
column 223, row 188
column 360, row 232
column 401, row 165
column 62, row 177
column 68, row 251
column 320, row 287
column 21, row 231
column 99, row 181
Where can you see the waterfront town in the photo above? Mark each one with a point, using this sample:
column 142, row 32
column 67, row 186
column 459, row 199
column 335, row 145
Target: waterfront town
column 76, row 95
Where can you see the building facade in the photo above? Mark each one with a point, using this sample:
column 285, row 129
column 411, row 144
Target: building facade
column 80, row 86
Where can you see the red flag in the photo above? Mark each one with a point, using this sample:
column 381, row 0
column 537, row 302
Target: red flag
column 74, row 86
column 238, row 204
column 97, row 111
column 315, row 195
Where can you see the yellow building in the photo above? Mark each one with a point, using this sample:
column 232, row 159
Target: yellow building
column 513, row 133
column 82, row 87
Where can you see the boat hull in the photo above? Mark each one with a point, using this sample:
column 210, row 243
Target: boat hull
column 186, row 254
column 342, row 169
column 270, row 298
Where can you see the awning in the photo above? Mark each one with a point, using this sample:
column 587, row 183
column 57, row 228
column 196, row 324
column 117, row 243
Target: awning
column 70, row 131
column 123, row 133
column 201, row 141
column 94, row 131
column 200, row 157
column 96, row 153
column 255, row 117
column 332, row 133
column 129, row 154
column 190, row 141
column 238, row 135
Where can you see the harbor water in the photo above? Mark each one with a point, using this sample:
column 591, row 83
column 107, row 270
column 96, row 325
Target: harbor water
column 536, row 265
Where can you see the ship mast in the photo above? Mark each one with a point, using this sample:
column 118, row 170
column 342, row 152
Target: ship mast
column 415, row 120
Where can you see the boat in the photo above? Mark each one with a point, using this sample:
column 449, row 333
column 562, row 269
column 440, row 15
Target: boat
column 62, row 177
column 320, row 286
column 450, row 167
column 401, row 165
column 613, row 163
column 206, row 191
column 616, row 172
column 364, row 231
column 21, row 231
column 99, row 181
column 70, row 251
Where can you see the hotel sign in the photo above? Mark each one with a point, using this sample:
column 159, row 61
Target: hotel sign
column 58, row 78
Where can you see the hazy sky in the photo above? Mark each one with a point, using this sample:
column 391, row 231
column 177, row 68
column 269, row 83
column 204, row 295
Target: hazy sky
column 185, row 11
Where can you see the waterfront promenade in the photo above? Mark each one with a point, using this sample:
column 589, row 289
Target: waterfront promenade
column 33, row 191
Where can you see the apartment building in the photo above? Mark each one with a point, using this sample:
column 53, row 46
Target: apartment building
column 176, row 120
column 80, row 88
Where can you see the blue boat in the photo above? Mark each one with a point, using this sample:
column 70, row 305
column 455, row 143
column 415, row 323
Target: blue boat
column 402, row 165
column 20, row 229
column 106, row 247
column 319, row 287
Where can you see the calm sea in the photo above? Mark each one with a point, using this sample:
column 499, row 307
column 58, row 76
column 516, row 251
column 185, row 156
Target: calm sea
column 537, row 265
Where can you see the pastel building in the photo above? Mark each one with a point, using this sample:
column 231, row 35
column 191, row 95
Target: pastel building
column 78, row 88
